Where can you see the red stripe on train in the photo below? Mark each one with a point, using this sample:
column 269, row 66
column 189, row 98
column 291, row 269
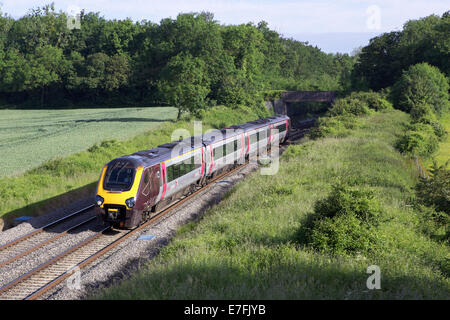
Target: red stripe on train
column 163, row 168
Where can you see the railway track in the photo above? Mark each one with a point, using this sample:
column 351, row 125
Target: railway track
column 30, row 242
column 41, row 279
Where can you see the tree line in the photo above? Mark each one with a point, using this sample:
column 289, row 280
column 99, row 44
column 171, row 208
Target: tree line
column 381, row 63
column 190, row 62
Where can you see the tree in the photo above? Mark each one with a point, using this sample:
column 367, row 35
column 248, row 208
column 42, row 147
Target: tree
column 421, row 85
column 184, row 83
column 381, row 63
column 48, row 65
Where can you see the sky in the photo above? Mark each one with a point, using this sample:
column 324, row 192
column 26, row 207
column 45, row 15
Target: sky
column 333, row 26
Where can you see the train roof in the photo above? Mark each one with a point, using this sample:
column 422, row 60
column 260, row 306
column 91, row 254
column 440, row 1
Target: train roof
column 165, row 151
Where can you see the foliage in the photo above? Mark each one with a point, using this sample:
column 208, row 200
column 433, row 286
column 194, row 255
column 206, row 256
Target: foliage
column 419, row 140
column 184, row 84
column 421, row 89
column 374, row 100
column 121, row 62
column 435, row 190
column 349, row 106
column 344, row 222
column 339, row 126
column 380, row 64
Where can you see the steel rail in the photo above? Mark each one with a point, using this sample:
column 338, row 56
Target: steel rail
column 43, row 243
column 47, row 226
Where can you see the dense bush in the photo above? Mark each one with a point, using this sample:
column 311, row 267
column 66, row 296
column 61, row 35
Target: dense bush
column 435, row 190
column 419, row 140
column 342, row 235
column 341, row 118
column 349, row 105
column 337, row 127
column 344, row 222
column 374, row 100
column 188, row 61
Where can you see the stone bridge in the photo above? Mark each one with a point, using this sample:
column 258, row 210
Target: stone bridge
column 280, row 106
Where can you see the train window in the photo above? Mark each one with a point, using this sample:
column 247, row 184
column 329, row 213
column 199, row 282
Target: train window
column 176, row 171
column 262, row 135
column 228, row 148
column 146, row 178
column 119, row 176
column 218, row 153
column 189, row 164
column 182, row 171
column 170, row 174
column 146, row 184
column 253, row 138
column 235, row 145
column 281, row 127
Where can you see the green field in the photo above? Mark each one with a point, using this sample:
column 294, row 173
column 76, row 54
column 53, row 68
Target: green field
column 247, row 247
column 31, row 137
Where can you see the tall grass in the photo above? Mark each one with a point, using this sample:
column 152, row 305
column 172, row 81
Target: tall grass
column 247, row 246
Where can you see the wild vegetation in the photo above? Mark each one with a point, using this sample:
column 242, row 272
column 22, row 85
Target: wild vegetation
column 190, row 62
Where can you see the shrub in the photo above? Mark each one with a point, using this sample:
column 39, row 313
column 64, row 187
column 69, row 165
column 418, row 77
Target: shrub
column 344, row 222
column 345, row 200
column 342, row 235
column 374, row 100
column 435, row 190
column 337, row 127
column 348, row 105
column 420, row 140
column 434, row 223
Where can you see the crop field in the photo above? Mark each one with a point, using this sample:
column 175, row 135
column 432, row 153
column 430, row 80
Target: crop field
column 31, row 137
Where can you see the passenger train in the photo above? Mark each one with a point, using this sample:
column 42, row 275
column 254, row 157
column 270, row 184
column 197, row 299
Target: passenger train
column 133, row 188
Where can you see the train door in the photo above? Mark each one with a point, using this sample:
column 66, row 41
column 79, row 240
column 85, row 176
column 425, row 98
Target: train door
column 150, row 186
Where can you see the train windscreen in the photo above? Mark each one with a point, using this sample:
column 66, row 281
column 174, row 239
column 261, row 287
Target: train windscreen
column 119, row 176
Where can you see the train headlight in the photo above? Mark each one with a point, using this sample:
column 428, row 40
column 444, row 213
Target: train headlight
column 130, row 202
column 99, row 200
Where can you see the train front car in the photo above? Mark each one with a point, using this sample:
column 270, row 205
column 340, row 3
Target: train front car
column 117, row 190
column 117, row 193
